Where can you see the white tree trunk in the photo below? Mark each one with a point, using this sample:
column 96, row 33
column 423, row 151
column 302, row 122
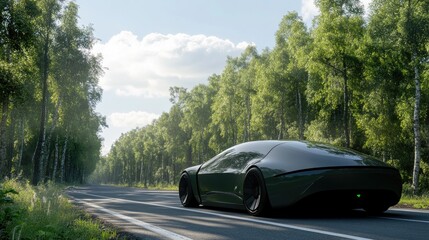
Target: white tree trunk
column 21, row 145
column 141, row 171
column 42, row 151
column 3, row 137
column 54, row 172
column 416, row 126
column 63, row 159
column 300, row 122
column 49, row 137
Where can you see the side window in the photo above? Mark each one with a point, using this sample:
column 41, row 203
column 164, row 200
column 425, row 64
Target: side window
column 215, row 164
column 229, row 161
column 241, row 159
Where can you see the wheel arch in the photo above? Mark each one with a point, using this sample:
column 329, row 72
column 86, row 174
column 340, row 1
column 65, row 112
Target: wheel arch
column 265, row 172
column 192, row 173
column 266, row 202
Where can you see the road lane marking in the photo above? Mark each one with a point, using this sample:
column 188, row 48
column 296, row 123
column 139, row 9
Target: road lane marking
column 282, row 225
column 145, row 225
column 409, row 210
column 405, row 219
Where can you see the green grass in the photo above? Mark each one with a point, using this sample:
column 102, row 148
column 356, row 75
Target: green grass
column 43, row 212
column 160, row 186
column 418, row 202
column 409, row 200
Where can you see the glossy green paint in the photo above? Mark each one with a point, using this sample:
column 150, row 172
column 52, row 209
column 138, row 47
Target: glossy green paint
column 287, row 189
column 294, row 156
column 221, row 178
column 292, row 171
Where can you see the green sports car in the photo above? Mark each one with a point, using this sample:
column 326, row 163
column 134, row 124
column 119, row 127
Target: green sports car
column 259, row 175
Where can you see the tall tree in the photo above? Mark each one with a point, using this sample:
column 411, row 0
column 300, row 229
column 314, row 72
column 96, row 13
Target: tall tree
column 247, row 62
column 47, row 26
column 235, row 91
column 46, row 64
column 337, row 35
column 227, row 105
column 178, row 130
column 403, row 39
column 383, row 85
column 293, row 38
column 197, row 116
column 16, row 33
column 413, row 27
column 264, row 121
column 75, row 87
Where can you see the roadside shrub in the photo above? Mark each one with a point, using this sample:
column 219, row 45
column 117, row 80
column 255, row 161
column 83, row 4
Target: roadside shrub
column 7, row 210
column 43, row 212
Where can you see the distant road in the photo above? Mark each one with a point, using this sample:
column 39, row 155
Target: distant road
column 159, row 215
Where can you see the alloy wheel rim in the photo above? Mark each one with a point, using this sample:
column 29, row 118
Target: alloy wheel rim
column 183, row 189
column 252, row 193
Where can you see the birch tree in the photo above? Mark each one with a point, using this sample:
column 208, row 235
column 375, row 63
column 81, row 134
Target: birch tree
column 46, row 28
column 413, row 27
column 16, row 33
column 337, row 34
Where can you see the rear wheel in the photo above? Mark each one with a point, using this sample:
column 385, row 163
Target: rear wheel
column 186, row 194
column 255, row 198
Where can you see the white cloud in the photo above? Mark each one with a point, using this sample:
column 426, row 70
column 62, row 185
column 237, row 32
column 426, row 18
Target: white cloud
column 366, row 4
column 131, row 119
column 308, row 11
column 148, row 67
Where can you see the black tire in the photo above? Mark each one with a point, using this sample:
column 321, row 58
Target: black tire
column 186, row 194
column 255, row 197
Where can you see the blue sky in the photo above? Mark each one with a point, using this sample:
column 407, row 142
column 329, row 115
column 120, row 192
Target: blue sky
column 150, row 45
column 236, row 20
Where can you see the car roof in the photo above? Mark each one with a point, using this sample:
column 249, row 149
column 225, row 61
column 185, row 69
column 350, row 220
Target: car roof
column 262, row 146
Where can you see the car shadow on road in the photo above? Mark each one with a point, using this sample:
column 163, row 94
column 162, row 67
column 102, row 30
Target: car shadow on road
column 316, row 213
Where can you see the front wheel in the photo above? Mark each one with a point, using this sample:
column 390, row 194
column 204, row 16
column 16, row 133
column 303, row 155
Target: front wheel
column 255, row 197
column 186, row 194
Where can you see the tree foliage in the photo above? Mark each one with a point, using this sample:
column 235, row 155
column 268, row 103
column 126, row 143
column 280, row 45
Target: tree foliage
column 49, row 84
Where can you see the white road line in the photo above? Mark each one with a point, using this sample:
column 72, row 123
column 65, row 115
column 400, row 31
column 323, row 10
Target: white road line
column 405, row 219
column 334, row 234
column 409, row 210
column 150, row 227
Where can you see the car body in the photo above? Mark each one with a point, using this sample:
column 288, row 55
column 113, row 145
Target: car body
column 276, row 174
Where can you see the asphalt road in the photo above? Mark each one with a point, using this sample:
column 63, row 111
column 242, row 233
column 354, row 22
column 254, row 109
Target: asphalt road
column 159, row 215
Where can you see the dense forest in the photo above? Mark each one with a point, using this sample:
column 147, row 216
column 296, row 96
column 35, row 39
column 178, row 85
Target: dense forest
column 353, row 80
column 49, row 89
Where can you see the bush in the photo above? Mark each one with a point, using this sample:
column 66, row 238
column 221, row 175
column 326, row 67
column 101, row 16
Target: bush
column 43, row 212
column 7, row 211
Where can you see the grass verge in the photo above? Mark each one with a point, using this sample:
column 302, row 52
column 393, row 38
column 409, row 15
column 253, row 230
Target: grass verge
column 169, row 187
column 409, row 200
column 412, row 201
column 160, row 186
column 43, row 212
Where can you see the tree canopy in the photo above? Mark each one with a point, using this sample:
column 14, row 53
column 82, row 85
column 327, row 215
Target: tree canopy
column 49, row 90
